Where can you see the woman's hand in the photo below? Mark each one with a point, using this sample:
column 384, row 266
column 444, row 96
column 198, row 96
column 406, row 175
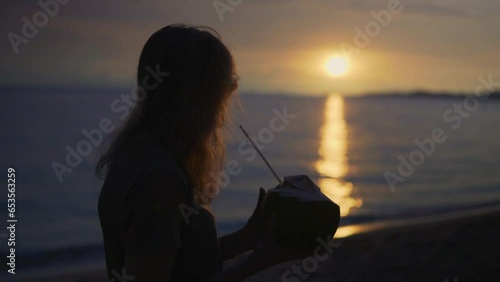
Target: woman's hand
column 247, row 237
column 268, row 251
column 256, row 225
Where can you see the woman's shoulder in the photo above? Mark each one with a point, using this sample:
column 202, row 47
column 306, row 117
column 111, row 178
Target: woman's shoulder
column 165, row 185
column 161, row 160
column 147, row 166
column 147, row 153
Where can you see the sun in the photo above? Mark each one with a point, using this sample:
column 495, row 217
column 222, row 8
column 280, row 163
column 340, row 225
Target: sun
column 337, row 66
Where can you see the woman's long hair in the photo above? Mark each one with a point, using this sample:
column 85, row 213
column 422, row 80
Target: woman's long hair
column 184, row 108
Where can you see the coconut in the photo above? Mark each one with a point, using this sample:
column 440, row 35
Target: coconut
column 304, row 213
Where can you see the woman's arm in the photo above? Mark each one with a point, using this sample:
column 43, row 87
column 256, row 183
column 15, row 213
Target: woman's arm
column 238, row 271
column 235, row 243
column 145, row 268
column 158, row 268
column 142, row 268
column 246, row 238
column 145, row 262
column 266, row 254
column 153, row 229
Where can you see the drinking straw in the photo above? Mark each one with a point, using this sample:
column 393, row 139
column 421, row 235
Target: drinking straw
column 261, row 155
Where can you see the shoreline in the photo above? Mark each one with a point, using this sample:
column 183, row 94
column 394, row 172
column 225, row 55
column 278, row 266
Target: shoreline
column 465, row 248
column 386, row 251
column 356, row 229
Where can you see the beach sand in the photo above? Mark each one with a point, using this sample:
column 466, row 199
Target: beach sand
column 459, row 249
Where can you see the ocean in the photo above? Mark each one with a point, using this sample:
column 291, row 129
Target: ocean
column 381, row 158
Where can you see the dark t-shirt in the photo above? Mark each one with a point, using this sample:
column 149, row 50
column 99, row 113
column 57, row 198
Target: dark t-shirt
column 146, row 208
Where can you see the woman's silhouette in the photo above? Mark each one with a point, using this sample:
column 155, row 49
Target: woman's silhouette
column 158, row 170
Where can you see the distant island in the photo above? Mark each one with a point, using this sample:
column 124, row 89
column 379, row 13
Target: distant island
column 424, row 94
column 418, row 94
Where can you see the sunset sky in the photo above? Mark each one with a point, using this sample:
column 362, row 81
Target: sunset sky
column 279, row 46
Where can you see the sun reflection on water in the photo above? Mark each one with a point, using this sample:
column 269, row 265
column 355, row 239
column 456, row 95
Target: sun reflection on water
column 332, row 165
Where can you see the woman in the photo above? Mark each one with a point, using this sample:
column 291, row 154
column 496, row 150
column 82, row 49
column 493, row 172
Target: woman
column 158, row 170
